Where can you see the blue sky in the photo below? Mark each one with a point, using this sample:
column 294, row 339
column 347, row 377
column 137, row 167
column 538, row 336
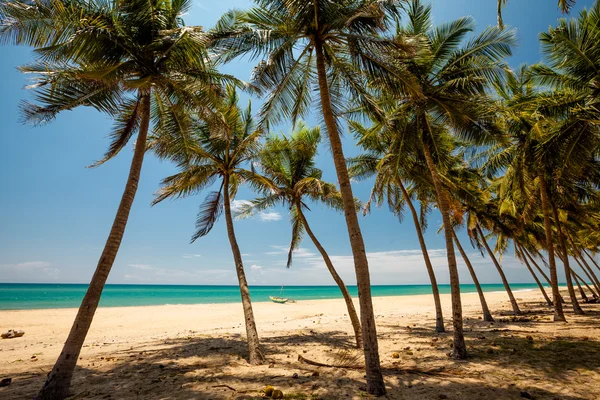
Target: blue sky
column 55, row 213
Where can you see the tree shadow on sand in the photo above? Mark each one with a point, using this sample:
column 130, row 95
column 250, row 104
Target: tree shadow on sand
column 215, row 368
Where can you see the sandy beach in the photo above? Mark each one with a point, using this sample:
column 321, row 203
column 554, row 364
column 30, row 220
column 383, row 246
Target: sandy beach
column 198, row 351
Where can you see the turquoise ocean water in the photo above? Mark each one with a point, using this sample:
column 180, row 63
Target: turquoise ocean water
column 24, row 296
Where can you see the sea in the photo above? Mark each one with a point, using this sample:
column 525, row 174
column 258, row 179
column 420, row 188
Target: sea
column 28, row 296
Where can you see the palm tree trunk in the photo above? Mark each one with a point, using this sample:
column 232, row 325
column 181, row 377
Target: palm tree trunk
column 524, row 257
column 585, row 266
column 459, row 348
column 487, row 315
column 558, row 309
column 541, row 271
column 586, row 284
column 585, row 271
column 59, row 379
column 375, row 383
column 592, row 259
column 565, row 259
column 338, row 280
column 581, row 292
column 513, row 301
column 588, row 272
column 439, row 317
column 500, row 21
column 535, row 264
column 255, row 355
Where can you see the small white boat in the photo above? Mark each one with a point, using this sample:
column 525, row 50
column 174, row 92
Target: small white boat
column 277, row 299
column 280, row 299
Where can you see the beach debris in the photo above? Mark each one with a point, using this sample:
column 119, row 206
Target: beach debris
column 12, row 333
column 526, row 395
column 268, row 390
column 224, row 386
column 277, row 394
column 409, row 353
column 295, row 376
column 395, row 355
column 316, row 373
column 529, row 338
column 5, row 381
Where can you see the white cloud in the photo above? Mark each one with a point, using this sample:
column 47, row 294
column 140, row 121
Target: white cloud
column 263, row 216
column 191, row 255
column 31, row 264
column 301, row 252
column 238, row 205
column 144, row 267
column 269, row 216
column 255, row 267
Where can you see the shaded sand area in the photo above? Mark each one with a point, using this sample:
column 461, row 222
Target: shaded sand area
column 197, row 351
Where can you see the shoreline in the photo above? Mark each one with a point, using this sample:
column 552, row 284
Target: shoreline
column 354, row 298
column 57, row 301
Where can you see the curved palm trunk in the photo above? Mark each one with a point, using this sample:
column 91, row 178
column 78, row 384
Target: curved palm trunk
column 585, row 283
column 585, row 267
column 541, row 271
column 375, row 383
column 535, row 264
column 524, row 257
column 581, row 292
column 500, row 22
column 565, row 259
column 487, row 315
column 592, row 259
column 59, row 379
column 459, row 348
column 338, row 280
column 585, row 271
column 578, row 279
column 558, row 309
column 513, row 301
column 439, row 317
column 255, row 355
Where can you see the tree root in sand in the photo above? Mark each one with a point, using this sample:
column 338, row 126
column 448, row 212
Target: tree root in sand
column 417, row 371
column 224, row 386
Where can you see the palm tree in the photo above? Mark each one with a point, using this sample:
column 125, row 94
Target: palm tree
column 487, row 315
column 289, row 164
column 129, row 59
column 217, row 154
column 324, row 47
column 520, row 255
column 479, row 236
column 564, row 255
column 444, row 89
column 386, row 158
column 524, row 169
